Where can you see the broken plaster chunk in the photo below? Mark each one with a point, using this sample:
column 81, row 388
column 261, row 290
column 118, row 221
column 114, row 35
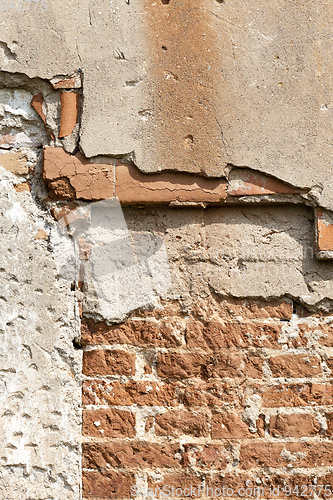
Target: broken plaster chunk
column 16, row 163
column 37, row 103
column 324, row 230
column 69, row 113
column 244, row 181
column 24, row 186
column 7, row 141
column 133, row 186
column 62, row 82
column 69, row 213
column 41, row 235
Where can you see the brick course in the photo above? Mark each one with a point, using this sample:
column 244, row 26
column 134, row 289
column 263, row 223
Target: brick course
column 194, row 397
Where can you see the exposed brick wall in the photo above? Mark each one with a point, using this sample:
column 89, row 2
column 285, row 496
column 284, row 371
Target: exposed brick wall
column 235, row 394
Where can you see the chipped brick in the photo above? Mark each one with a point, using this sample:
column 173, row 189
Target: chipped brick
column 108, row 423
column 37, row 103
column 74, row 176
column 69, row 113
column 107, row 484
column 132, row 186
column 246, row 182
column 177, row 423
column 110, row 362
column 130, row 454
column 324, row 221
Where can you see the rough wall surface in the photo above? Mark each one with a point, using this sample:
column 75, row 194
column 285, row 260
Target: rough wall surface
column 225, row 395
column 178, row 86
column 208, row 390
column 39, row 367
column 165, row 191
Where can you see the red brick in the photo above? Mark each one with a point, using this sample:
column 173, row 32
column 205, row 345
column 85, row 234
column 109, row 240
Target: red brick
column 110, row 362
column 181, row 366
column 324, row 230
column 228, row 425
column 216, row 335
column 230, row 484
column 298, row 454
column 137, row 333
column 66, row 83
column 23, row 186
column 170, row 308
column 181, row 481
column 69, row 112
column 240, row 309
column 101, row 392
column 178, row 423
column 256, row 309
column 325, row 479
column 84, row 248
column 102, row 484
column 239, row 482
column 133, row 186
column 205, row 456
column 299, row 366
column 246, row 182
column 108, row 423
column 62, row 189
column 324, row 333
column 210, row 394
column 74, row 176
column 293, row 425
column 130, row 455
column 293, row 395
column 37, row 103
column 235, row 365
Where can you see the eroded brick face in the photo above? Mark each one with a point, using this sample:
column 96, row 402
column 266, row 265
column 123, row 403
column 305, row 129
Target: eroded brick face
column 233, row 393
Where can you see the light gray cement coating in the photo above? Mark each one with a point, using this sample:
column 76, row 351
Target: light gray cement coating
column 40, row 370
column 265, row 99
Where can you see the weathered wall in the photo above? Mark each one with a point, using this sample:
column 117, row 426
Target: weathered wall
column 206, row 389
column 39, row 367
column 177, row 86
column 135, row 139
column 225, row 393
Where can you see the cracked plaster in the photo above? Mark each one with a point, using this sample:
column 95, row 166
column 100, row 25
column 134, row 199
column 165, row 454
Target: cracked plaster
column 182, row 87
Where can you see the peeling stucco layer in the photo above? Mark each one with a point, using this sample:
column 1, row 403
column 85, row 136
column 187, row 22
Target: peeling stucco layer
column 39, row 367
column 178, row 86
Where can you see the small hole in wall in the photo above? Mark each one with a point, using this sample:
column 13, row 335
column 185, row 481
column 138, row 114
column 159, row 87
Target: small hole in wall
column 188, row 142
column 76, row 344
column 164, row 47
column 165, row 2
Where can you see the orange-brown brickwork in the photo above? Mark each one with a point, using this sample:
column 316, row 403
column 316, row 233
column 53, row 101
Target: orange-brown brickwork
column 233, row 394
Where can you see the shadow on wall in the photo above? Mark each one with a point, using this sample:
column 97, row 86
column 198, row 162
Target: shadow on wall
column 117, row 271
column 241, row 251
column 127, row 258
